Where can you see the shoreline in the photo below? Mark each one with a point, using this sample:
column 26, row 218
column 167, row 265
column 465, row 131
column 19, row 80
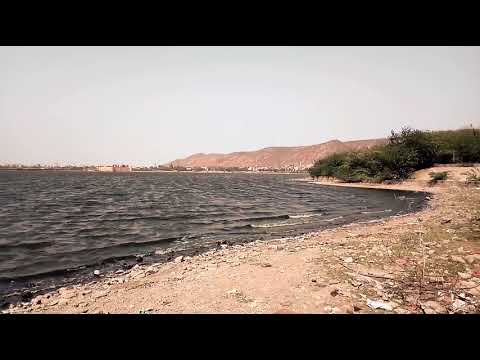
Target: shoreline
column 407, row 185
column 311, row 273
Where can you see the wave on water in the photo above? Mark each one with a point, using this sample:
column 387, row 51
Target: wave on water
column 303, row 216
column 376, row 212
column 274, row 225
column 333, row 219
column 262, row 218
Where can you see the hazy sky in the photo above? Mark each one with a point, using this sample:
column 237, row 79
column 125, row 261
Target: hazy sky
column 146, row 105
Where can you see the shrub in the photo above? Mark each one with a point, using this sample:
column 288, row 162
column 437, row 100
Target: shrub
column 406, row 151
column 418, row 150
column 438, row 176
column 473, row 176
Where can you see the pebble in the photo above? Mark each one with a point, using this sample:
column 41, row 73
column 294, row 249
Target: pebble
column 100, row 294
column 458, row 259
column 472, row 258
column 276, row 247
column 233, row 292
column 145, row 311
column 328, row 309
column 150, row 270
column 458, row 304
column 355, row 283
column 433, row 307
column 348, row 260
column 96, row 272
column 474, row 291
column 466, row 284
column 464, row 276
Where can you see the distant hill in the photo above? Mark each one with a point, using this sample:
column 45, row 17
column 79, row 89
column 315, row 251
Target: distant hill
column 274, row 157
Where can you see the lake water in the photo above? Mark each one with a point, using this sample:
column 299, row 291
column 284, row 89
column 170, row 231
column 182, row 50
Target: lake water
column 54, row 221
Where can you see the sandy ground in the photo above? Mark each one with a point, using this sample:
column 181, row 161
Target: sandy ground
column 427, row 262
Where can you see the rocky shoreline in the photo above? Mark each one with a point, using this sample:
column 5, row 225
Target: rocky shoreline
column 424, row 262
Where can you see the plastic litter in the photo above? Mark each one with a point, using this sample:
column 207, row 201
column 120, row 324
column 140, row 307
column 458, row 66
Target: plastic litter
column 378, row 305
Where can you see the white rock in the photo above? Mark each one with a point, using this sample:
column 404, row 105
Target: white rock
column 348, row 260
column 96, row 272
column 458, row 304
column 378, row 305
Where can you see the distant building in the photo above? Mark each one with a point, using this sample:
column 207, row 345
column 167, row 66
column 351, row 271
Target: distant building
column 114, row 168
column 105, row 168
column 122, row 168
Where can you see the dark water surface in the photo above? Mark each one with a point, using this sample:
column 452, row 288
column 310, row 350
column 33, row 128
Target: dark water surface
column 54, row 221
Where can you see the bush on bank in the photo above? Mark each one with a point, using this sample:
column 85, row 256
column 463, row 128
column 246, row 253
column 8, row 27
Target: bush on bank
column 406, row 151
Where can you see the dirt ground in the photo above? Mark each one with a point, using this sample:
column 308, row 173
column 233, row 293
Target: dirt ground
column 427, row 262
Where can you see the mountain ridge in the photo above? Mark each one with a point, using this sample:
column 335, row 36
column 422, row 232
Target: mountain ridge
column 274, row 157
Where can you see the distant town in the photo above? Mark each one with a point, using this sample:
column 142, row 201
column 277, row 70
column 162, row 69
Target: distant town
column 123, row 168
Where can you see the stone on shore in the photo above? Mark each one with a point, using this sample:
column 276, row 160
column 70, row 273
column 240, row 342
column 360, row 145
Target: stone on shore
column 472, row 258
column 458, row 259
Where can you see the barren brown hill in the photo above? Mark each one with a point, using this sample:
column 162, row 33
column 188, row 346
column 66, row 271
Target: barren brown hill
column 275, row 157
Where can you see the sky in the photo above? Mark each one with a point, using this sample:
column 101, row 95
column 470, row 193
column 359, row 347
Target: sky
column 151, row 105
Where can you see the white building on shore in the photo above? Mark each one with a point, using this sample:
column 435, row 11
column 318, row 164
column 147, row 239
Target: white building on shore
column 114, row 168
